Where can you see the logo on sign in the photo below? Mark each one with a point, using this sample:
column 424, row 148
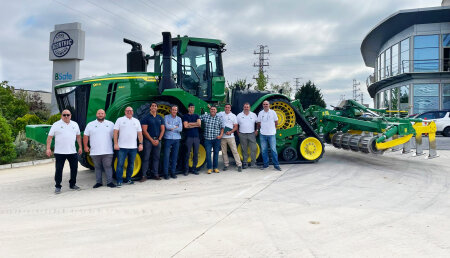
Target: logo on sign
column 63, row 76
column 61, row 44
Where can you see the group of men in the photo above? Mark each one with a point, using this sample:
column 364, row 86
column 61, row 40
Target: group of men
column 128, row 136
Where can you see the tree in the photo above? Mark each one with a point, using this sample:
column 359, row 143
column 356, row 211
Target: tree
column 261, row 81
column 240, row 84
column 37, row 106
column 7, row 150
column 12, row 105
column 21, row 122
column 309, row 94
column 283, row 88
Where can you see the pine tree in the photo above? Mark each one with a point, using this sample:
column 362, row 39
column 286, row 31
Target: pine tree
column 309, row 94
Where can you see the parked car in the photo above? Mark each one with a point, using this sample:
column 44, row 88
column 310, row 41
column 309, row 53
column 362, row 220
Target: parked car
column 441, row 118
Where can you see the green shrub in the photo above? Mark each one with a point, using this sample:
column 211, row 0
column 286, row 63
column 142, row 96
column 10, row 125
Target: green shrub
column 21, row 122
column 21, row 145
column 7, row 151
column 54, row 118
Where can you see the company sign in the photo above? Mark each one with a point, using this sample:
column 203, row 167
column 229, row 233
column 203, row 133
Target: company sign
column 63, row 76
column 61, row 44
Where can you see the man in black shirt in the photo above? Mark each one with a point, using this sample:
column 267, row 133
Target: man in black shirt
column 191, row 123
column 153, row 130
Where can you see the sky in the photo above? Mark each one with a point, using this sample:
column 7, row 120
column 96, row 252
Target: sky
column 308, row 39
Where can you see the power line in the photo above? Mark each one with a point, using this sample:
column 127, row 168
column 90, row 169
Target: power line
column 297, row 83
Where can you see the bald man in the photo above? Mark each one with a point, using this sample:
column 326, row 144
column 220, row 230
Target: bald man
column 66, row 132
column 99, row 134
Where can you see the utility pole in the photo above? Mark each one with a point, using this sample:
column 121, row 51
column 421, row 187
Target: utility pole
column 262, row 60
column 297, row 83
column 357, row 91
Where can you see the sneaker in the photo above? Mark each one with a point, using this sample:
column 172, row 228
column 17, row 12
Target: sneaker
column 97, row 185
column 75, row 187
column 119, row 184
column 195, row 172
column 129, row 182
column 173, row 176
column 244, row 165
column 263, row 167
column 143, row 179
column 209, row 171
column 216, row 170
column 112, row 185
column 166, row 177
column 278, row 168
column 253, row 165
column 186, row 173
column 225, row 168
column 239, row 169
column 157, row 177
column 57, row 190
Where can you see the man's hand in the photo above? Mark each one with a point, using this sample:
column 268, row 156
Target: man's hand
column 228, row 133
column 86, row 149
column 256, row 133
column 155, row 142
column 116, row 147
column 80, row 150
column 49, row 152
column 219, row 137
column 140, row 148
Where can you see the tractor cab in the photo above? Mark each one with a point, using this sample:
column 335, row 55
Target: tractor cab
column 195, row 66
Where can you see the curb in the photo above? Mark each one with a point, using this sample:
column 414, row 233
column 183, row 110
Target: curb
column 27, row 163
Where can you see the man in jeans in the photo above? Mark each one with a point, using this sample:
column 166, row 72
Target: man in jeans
column 126, row 130
column 213, row 133
column 247, row 134
column 230, row 124
column 172, row 137
column 99, row 133
column 191, row 123
column 267, row 123
column 65, row 132
column 153, row 130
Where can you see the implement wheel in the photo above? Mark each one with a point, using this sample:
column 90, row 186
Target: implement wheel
column 201, row 157
column 311, row 148
column 86, row 160
column 136, row 169
column 285, row 113
column 249, row 159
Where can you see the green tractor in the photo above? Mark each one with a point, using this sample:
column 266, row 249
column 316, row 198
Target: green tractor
column 186, row 70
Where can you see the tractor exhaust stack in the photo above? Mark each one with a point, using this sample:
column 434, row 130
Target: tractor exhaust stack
column 167, row 81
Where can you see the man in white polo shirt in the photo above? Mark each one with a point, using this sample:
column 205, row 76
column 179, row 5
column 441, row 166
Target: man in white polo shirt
column 247, row 134
column 267, row 123
column 99, row 133
column 126, row 130
column 65, row 132
column 230, row 124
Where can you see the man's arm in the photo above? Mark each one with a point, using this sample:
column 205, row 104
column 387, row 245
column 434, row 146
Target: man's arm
column 49, row 143
column 146, row 134
column 221, row 134
column 116, row 137
column 85, row 142
column 161, row 134
column 179, row 129
column 80, row 147
column 186, row 124
column 141, row 141
column 235, row 127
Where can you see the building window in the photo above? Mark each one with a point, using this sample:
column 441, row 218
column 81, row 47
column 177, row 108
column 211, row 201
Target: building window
column 386, row 99
column 404, row 98
column 404, row 56
column 379, row 68
column 378, row 100
column 446, row 96
column 426, row 97
column 394, row 98
column 446, row 52
column 383, row 67
column 388, row 63
column 426, row 53
column 394, row 64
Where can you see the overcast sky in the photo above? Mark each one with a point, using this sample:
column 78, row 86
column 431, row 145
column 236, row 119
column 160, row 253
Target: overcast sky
column 315, row 40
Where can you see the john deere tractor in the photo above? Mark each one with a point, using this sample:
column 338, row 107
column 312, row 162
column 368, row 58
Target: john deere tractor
column 189, row 70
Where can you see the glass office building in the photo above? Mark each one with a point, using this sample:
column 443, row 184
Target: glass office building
column 410, row 54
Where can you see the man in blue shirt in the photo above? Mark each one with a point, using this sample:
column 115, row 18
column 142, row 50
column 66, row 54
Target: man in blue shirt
column 172, row 139
column 153, row 130
column 191, row 123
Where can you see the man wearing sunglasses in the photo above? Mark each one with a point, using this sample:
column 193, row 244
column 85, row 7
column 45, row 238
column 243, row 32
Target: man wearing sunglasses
column 65, row 132
column 267, row 124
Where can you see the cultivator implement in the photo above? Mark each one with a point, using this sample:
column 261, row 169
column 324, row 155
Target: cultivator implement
column 352, row 126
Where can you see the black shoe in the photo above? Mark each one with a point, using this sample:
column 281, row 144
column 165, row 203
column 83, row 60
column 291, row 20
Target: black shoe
column 97, row 185
column 173, row 176
column 157, row 177
column 239, row 169
column 75, row 187
column 244, row 165
column 225, row 168
column 263, row 167
column 186, row 172
column 195, row 172
column 57, row 190
column 166, row 177
column 112, row 185
column 129, row 182
column 278, row 168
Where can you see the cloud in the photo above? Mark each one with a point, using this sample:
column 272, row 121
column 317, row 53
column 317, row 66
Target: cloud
column 315, row 40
